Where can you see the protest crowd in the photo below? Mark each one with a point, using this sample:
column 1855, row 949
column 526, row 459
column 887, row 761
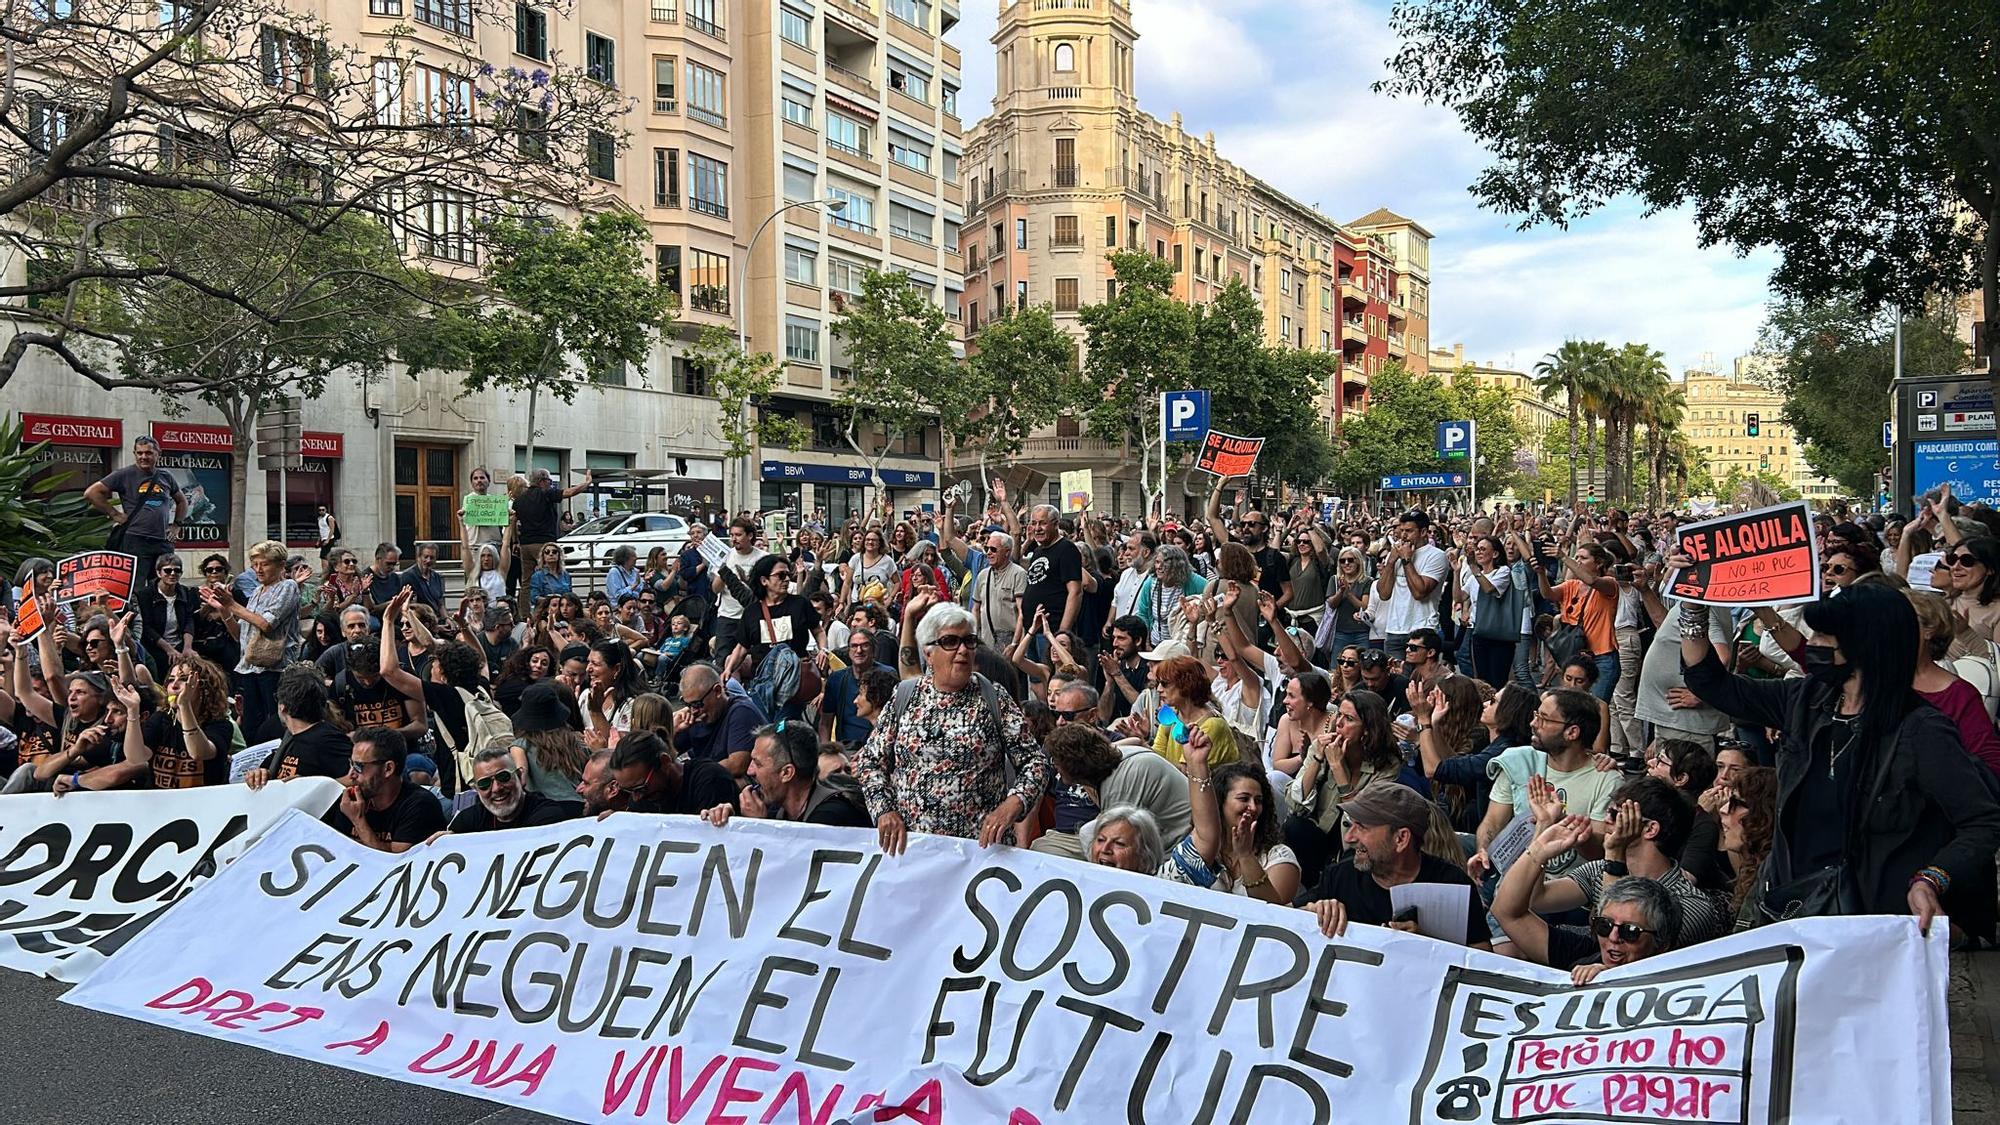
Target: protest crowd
column 1310, row 705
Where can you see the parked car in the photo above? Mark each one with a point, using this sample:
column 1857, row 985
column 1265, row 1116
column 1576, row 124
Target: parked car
column 592, row 544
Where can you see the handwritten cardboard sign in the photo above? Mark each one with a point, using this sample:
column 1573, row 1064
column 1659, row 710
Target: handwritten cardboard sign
column 1226, row 455
column 485, row 511
column 95, row 575
column 28, row 619
column 1765, row 557
column 1076, row 490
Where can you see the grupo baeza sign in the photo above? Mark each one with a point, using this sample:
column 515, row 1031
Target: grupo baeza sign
column 1765, row 557
column 658, row 969
column 81, row 874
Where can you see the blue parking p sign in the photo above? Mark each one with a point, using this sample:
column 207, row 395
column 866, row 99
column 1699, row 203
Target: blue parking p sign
column 1454, row 439
column 1184, row 415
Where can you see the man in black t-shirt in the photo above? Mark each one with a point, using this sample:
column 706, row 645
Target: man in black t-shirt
column 538, row 522
column 1055, row 575
column 384, row 580
column 655, row 780
column 362, row 698
column 381, row 808
column 1120, row 676
column 1386, row 823
column 503, row 801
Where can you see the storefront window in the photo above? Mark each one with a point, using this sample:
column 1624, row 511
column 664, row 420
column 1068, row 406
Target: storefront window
column 777, row 495
column 841, row 501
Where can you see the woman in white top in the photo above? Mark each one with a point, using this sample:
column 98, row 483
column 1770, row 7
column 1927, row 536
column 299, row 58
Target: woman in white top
column 873, row 563
column 1486, row 579
column 492, row 576
column 1237, row 846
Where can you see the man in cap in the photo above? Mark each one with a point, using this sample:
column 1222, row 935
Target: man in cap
column 1386, row 823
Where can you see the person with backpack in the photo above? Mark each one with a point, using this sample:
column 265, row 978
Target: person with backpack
column 467, row 719
column 950, row 755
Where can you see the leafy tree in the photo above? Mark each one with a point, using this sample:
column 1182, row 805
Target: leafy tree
column 1258, row 390
column 742, row 386
column 1137, row 346
column 1857, row 137
column 48, row 516
column 567, row 302
column 1556, row 461
column 903, row 375
column 1839, row 360
column 339, row 300
column 1398, row 431
column 122, row 119
column 1022, row 374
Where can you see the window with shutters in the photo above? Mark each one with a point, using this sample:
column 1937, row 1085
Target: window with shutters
column 531, row 32
column 600, row 58
column 1066, row 296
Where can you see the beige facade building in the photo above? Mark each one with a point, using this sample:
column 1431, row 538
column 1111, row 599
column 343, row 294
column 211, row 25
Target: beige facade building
column 741, row 108
column 1717, row 423
column 1069, row 168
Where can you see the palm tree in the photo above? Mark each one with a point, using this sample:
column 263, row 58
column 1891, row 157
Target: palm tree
column 1594, row 390
column 1663, row 430
column 1639, row 381
column 1564, row 372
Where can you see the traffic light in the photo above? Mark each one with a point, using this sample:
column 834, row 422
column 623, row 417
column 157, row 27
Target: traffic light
column 1752, row 420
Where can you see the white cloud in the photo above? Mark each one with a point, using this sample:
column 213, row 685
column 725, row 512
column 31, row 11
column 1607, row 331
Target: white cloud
column 1285, row 86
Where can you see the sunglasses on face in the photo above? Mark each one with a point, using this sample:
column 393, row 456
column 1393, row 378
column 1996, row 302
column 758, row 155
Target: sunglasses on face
column 1961, row 559
column 357, row 765
column 954, row 642
column 782, row 575
column 1348, row 662
column 1625, row 933
column 213, row 570
column 635, row 790
column 169, row 570
column 1066, row 716
column 497, row 777
column 1838, row 570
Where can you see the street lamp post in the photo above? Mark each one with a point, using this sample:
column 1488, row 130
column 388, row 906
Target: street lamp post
column 834, row 206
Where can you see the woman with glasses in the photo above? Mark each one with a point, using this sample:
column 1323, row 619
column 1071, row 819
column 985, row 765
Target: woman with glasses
column 776, row 619
column 550, row 579
column 940, row 755
column 1312, row 573
column 267, row 631
column 167, row 609
column 344, row 585
column 1636, row 917
column 1970, row 570
column 1840, row 567
column 870, row 566
column 1347, row 593
column 1347, row 670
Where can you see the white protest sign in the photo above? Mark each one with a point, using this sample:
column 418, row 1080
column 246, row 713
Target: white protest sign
column 657, row 969
column 81, row 874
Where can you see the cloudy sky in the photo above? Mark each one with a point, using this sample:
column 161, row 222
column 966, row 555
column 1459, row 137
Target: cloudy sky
column 1284, row 85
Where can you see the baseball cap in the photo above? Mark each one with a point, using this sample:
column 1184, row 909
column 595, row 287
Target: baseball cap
column 1167, row 651
column 419, row 763
column 1387, row 804
column 95, row 679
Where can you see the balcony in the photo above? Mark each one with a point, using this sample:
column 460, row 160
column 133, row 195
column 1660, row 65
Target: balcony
column 1137, row 184
column 1353, row 330
column 861, row 11
column 1066, row 240
column 1063, row 175
column 1396, row 347
column 665, row 13
column 851, row 81
column 1350, row 293
column 1063, row 93
column 1071, row 449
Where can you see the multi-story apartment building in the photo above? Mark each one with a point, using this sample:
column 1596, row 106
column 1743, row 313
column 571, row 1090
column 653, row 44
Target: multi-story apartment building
column 1069, row 168
column 1717, row 423
column 742, row 108
column 1409, row 263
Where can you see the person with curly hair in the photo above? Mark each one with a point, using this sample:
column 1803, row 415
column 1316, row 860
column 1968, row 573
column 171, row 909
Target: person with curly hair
column 1237, row 845
column 188, row 743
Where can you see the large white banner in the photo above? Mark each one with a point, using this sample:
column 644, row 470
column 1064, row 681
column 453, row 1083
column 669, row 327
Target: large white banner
column 81, row 874
column 657, row 969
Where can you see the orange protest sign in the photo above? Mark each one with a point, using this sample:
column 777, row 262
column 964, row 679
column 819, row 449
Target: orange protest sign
column 108, row 575
column 1228, row 456
column 28, row 620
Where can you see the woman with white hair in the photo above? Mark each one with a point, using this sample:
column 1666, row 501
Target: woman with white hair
column 492, row 576
column 937, row 760
column 1162, row 594
column 1126, row 837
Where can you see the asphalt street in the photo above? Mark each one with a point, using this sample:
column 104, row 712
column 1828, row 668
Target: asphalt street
column 68, row 1066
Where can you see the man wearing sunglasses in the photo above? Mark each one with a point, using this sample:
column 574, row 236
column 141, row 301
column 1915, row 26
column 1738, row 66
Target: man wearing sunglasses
column 785, row 783
column 381, row 808
column 504, row 801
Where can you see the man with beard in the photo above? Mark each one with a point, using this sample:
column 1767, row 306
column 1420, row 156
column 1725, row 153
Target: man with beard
column 786, row 784
column 653, row 778
column 599, row 789
column 503, row 801
column 381, row 807
column 1120, row 674
column 1253, row 530
column 1385, row 834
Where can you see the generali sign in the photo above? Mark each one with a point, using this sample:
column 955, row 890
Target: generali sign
column 199, row 439
column 65, row 429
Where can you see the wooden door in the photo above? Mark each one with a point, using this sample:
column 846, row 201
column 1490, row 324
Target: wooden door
column 427, row 489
